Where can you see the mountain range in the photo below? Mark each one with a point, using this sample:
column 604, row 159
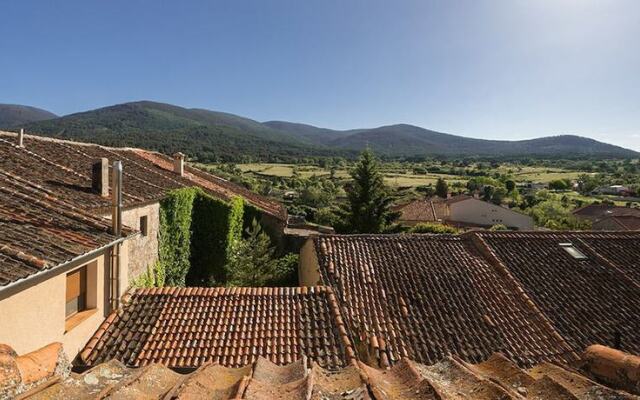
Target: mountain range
column 14, row 114
column 217, row 136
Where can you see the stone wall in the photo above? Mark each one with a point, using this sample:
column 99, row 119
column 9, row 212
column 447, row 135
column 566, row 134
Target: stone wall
column 142, row 250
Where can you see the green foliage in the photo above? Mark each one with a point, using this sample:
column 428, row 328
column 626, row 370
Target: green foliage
column 252, row 261
column 442, row 189
column 197, row 235
column 560, row 184
column 216, row 229
column 152, row 277
column 509, row 185
column 174, row 239
column 499, row 227
column 369, row 201
column 550, row 212
column 428, row 227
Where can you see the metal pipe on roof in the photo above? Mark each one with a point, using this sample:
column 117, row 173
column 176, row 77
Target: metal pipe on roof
column 116, row 215
column 116, row 224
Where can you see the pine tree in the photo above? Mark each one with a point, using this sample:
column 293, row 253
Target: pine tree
column 252, row 263
column 442, row 189
column 368, row 206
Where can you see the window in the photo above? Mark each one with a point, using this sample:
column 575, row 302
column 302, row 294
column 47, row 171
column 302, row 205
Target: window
column 573, row 251
column 76, row 292
column 144, row 228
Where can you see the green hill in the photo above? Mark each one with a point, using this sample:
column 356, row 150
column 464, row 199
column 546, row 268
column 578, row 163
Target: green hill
column 216, row 136
column 204, row 135
column 13, row 114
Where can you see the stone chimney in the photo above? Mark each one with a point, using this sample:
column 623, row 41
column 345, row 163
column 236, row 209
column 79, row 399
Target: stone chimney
column 178, row 163
column 100, row 177
column 21, row 138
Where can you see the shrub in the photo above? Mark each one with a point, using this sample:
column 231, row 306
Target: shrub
column 433, row 228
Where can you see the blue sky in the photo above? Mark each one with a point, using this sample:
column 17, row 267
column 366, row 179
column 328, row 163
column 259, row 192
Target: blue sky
column 490, row 69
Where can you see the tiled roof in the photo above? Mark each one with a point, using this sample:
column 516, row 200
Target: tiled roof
column 595, row 212
column 38, row 231
column 449, row 379
column 425, row 297
column 590, row 300
column 64, row 168
column 624, row 222
column 425, row 210
column 188, row 327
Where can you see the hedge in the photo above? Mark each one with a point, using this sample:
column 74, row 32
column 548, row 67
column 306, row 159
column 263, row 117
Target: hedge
column 174, row 239
column 197, row 233
column 216, row 227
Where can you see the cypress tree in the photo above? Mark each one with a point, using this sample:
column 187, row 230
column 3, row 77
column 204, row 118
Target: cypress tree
column 368, row 206
column 442, row 189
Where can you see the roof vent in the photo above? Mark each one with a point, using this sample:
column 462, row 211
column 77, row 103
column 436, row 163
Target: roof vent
column 178, row 163
column 21, row 138
column 573, row 251
column 100, row 177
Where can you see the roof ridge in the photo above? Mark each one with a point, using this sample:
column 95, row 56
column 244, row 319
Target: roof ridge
column 67, row 141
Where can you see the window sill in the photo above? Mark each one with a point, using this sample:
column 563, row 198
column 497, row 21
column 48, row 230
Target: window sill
column 77, row 319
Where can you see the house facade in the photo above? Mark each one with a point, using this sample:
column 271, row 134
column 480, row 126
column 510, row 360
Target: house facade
column 463, row 211
column 472, row 211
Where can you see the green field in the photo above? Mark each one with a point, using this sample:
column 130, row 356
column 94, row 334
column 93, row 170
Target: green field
column 522, row 174
column 305, row 171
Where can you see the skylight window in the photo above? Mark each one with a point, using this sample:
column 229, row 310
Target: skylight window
column 573, row 251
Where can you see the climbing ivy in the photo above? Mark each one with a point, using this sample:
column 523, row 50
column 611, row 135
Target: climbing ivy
column 216, row 228
column 174, row 238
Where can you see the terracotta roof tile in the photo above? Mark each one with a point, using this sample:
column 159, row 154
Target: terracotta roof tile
column 451, row 378
column 188, row 327
column 40, row 232
column 425, row 297
column 595, row 299
column 425, row 210
column 596, row 212
column 64, row 168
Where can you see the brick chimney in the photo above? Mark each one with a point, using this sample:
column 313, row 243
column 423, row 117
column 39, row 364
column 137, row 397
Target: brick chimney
column 21, row 138
column 100, row 177
column 178, row 163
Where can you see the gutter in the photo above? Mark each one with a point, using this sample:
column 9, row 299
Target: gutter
column 57, row 268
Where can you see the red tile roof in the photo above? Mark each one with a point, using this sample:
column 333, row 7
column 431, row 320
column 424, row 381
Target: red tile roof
column 424, row 210
column 64, row 167
column 596, row 212
column 623, row 223
column 425, row 297
column 38, row 231
column 451, row 378
column 188, row 327
column 590, row 300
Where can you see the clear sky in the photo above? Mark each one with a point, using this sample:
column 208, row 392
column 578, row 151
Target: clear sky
column 503, row 69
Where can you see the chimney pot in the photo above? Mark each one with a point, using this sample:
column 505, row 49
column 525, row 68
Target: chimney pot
column 100, row 177
column 21, row 138
column 178, row 163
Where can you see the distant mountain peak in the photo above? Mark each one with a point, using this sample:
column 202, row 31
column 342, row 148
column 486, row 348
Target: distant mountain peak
column 16, row 114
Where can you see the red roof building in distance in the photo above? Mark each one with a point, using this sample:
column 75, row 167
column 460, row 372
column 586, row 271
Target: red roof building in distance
column 461, row 211
column 597, row 212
